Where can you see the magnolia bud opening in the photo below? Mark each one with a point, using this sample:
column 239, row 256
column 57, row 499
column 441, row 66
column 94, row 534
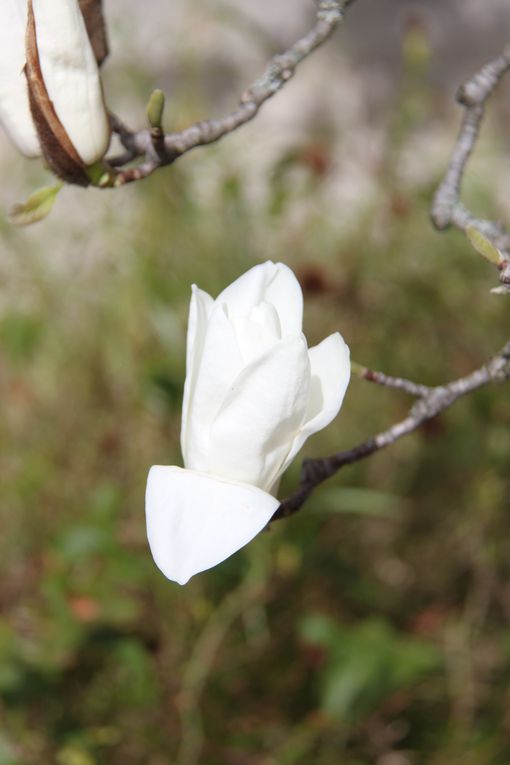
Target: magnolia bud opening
column 65, row 90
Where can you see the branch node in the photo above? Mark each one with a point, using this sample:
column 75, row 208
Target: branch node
column 432, row 401
column 160, row 150
column 504, row 268
column 447, row 208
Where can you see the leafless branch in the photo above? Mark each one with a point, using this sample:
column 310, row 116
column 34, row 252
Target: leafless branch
column 156, row 149
column 399, row 383
column 430, row 402
column 447, row 209
column 279, row 71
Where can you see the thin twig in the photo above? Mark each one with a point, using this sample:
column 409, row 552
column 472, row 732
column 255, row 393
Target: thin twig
column 278, row 72
column 387, row 381
column 431, row 402
column 447, row 209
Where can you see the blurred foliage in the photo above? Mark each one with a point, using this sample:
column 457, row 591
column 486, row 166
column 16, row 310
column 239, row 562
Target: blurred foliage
column 370, row 628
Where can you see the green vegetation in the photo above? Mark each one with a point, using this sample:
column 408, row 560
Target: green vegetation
column 370, row 628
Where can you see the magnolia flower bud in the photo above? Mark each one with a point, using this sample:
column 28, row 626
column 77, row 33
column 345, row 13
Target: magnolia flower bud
column 14, row 107
column 254, row 392
column 65, row 90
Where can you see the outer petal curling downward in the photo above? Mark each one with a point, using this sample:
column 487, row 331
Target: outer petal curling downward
column 196, row 520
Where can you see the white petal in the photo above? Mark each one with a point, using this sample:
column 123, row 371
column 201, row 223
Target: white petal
column 195, row 521
column 71, row 76
column 14, row 107
column 331, row 371
column 264, row 409
column 248, row 290
column 270, row 282
column 330, row 374
column 257, row 331
column 285, row 294
column 200, row 307
column 218, row 365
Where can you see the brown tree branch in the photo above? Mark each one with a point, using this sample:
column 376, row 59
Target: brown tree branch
column 399, row 383
column 447, row 209
column 430, row 402
column 278, row 72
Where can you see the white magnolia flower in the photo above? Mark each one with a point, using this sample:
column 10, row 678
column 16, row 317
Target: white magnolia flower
column 51, row 96
column 14, row 106
column 254, row 393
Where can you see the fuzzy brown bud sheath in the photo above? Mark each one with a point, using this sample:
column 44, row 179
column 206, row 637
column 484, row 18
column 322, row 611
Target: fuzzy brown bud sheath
column 64, row 88
column 94, row 21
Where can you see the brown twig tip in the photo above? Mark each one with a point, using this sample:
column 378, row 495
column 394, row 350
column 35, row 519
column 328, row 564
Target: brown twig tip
column 504, row 269
column 388, row 381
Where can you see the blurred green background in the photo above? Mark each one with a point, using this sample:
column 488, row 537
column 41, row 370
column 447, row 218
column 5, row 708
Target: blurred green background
column 372, row 627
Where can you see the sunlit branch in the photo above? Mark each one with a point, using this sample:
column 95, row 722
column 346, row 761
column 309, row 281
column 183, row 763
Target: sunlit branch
column 447, row 209
column 430, row 402
column 140, row 144
column 399, row 383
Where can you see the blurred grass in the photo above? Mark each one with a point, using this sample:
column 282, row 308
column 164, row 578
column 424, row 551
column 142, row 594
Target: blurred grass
column 370, row 628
